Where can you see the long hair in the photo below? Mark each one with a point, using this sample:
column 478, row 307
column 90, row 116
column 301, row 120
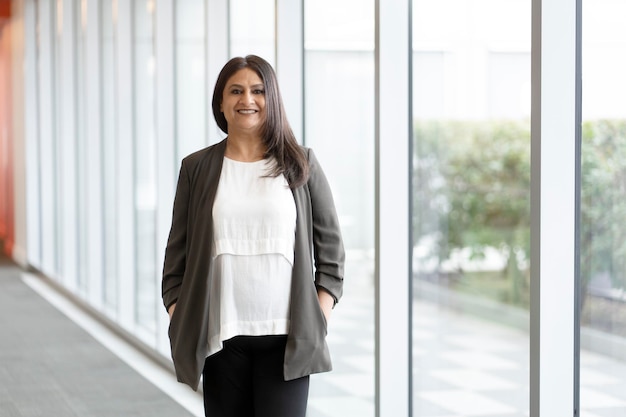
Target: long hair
column 279, row 140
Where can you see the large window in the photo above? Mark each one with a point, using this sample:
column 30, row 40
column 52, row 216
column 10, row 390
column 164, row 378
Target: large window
column 471, row 218
column 603, row 211
column 47, row 135
column 80, row 28
column 144, row 69
column 109, row 154
column 193, row 107
column 470, row 102
column 339, row 126
column 253, row 28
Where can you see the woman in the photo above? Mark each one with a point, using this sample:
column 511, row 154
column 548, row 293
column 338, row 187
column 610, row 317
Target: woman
column 254, row 260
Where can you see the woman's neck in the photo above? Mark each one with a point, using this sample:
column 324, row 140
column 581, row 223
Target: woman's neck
column 245, row 148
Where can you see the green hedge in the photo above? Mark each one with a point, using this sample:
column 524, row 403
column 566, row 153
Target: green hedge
column 472, row 191
column 603, row 201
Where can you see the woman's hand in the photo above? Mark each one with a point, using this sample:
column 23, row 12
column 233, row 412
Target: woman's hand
column 171, row 309
column 326, row 302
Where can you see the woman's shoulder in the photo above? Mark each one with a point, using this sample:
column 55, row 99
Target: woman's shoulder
column 307, row 151
column 202, row 154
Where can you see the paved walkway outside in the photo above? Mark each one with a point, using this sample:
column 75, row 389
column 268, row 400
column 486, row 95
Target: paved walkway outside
column 463, row 366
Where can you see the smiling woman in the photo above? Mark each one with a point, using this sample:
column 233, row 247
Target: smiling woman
column 252, row 317
column 243, row 106
column 275, row 137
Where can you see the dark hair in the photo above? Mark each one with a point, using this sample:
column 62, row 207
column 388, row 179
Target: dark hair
column 280, row 142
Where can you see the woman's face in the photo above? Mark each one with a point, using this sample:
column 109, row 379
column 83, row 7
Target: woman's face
column 243, row 102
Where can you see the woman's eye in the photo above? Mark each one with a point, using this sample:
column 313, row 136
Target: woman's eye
column 258, row 91
column 235, row 91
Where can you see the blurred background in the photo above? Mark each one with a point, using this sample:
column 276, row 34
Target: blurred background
column 101, row 99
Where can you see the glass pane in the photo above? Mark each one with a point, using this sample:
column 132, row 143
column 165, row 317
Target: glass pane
column 47, row 110
column 109, row 152
column 145, row 158
column 57, row 137
column 339, row 68
column 253, row 28
column 80, row 25
column 603, row 211
column 191, row 91
column 471, row 187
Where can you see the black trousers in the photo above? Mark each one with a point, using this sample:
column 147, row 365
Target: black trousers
column 245, row 379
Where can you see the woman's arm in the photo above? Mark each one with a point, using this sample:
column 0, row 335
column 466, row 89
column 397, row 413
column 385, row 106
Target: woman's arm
column 175, row 251
column 328, row 250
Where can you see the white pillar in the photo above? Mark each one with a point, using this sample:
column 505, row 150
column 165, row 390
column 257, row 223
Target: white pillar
column 554, row 167
column 392, row 275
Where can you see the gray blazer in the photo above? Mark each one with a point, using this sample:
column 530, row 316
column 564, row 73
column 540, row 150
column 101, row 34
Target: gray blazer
column 188, row 261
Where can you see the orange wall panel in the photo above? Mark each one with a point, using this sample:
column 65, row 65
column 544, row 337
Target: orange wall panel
column 7, row 226
column 5, row 9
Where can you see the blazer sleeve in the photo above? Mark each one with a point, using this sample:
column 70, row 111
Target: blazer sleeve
column 328, row 250
column 175, row 251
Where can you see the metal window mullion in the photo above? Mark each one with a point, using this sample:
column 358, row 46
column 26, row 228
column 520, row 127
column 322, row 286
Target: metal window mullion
column 554, row 165
column 392, row 239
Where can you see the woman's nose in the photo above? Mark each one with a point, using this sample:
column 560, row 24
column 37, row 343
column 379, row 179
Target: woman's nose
column 247, row 97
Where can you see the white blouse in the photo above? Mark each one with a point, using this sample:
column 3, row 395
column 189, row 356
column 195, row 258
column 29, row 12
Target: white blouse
column 254, row 219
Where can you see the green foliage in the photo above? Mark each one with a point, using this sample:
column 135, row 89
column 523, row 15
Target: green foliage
column 472, row 191
column 603, row 201
column 472, row 182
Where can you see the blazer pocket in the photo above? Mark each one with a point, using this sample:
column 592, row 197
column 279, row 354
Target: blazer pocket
column 323, row 316
column 173, row 326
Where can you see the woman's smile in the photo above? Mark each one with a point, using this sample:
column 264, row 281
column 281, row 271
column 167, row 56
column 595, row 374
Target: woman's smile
column 243, row 103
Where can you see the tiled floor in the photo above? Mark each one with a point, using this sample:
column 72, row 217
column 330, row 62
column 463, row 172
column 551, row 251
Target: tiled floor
column 349, row 389
column 463, row 367
column 50, row 366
